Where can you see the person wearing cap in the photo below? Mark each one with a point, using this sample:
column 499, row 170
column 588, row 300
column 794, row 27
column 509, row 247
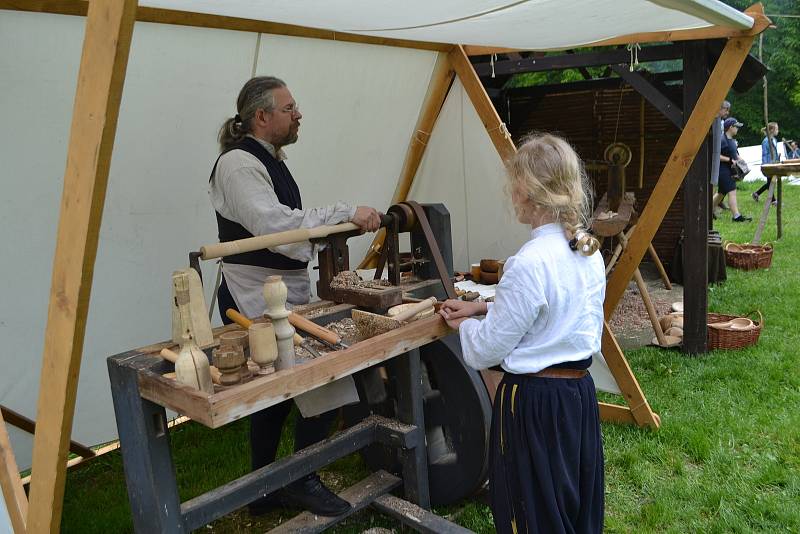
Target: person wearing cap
column 729, row 153
column 769, row 154
column 792, row 151
column 716, row 142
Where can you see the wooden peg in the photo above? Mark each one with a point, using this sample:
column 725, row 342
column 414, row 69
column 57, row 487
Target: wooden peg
column 275, row 297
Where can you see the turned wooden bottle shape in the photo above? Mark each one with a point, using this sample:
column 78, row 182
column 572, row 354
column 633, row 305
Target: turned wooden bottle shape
column 191, row 367
column 275, row 296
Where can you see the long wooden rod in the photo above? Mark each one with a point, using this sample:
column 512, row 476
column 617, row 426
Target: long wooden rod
column 695, row 131
column 109, row 27
column 11, row 484
column 28, row 425
column 639, row 408
column 204, row 20
column 438, row 88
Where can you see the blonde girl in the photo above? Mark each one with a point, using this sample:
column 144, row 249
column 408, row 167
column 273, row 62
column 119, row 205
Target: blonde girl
column 546, row 455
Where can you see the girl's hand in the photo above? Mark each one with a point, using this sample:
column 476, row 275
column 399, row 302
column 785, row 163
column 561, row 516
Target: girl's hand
column 456, row 312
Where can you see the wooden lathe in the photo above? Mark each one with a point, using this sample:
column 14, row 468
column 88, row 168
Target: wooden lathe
column 424, row 416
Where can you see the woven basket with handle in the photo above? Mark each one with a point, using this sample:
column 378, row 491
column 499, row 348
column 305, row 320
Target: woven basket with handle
column 728, row 338
column 748, row 257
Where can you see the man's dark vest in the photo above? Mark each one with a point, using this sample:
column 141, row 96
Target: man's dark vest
column 288, row 194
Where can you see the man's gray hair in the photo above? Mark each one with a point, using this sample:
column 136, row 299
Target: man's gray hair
column 255, row 94
column 726, row 105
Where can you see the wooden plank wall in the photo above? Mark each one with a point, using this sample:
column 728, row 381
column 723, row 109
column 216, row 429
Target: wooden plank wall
column 588, row 119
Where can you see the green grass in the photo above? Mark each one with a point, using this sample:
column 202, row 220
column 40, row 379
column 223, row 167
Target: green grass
column 726, row 458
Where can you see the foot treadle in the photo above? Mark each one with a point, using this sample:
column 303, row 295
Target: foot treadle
column 359, row 495
column 416, row 517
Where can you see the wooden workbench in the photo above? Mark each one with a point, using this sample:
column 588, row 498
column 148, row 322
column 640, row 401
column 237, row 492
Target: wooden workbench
column 787, row 168
column 141, row 395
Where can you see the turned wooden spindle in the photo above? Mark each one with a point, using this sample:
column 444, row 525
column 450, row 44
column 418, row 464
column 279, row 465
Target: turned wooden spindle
column 275, row 296
column 192, row 367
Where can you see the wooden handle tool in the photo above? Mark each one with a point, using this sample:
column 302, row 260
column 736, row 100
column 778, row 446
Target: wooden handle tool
column 172, row 356
column 317, row 331
column 219, row 250
column 414, row 309
column 245, row 323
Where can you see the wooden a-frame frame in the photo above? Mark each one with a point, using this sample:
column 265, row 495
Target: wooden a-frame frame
column 104, row 60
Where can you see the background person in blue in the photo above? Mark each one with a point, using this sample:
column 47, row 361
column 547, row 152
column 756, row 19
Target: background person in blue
column 768, row 156
column 729, row 153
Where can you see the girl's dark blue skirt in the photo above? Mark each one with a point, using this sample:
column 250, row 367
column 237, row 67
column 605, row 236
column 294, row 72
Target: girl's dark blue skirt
column 546, row 456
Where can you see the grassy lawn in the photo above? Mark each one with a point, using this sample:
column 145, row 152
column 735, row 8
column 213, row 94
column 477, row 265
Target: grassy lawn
column 726, row 459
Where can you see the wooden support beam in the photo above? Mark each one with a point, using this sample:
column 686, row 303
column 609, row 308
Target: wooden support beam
column 640, row 409
column 11, row 487
column 672, row 176
column 109, row 26
column 761, row 23
column 696, row 213
column 204, row 20
column 438, row 88
column 657, row 99
column 495, row 127
column 28, row 425
column 614, row 413
column 598, row 58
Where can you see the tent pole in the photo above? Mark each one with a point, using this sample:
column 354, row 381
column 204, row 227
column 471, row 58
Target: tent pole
column 639, row 410
column 438, row 88
column 686, row 148
column 10, row 483
column 495, row 127
column 107, row 39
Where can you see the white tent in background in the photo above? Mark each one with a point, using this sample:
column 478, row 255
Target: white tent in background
column 360, row 101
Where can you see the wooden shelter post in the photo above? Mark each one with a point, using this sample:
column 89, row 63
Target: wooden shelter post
column 682, row 156
column 10, row 483
column 438, row 88
column 695, row 209
column 109, row 27
column 638, row 410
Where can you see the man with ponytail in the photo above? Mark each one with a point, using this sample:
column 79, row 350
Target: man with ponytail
column 546, row 457
column 253, row 193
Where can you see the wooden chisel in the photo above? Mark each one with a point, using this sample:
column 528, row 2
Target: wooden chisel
column 245, row 323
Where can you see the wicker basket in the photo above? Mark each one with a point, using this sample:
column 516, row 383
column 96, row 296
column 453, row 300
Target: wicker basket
column 724, row 338
column 748, row 257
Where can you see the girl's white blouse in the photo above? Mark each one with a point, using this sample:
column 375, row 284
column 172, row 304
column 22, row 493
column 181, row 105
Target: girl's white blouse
column 548, row 308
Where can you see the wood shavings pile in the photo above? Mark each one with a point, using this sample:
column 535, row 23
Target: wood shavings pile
column 351, row 280
column 631, row 313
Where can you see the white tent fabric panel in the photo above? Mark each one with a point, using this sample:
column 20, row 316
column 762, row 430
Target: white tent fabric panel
column 360, row 104
column 462, row 169
column 526, row 24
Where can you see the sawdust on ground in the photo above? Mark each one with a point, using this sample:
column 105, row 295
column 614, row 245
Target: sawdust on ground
column 631, row 313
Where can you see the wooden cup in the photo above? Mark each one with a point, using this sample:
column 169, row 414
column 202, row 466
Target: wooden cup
column 263, row 346
column 475, row 271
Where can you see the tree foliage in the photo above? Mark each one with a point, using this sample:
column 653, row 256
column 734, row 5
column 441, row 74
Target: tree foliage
column 781, row 54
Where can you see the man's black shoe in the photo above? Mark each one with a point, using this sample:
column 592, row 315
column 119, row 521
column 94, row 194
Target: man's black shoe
column 742, row 218
column 311, row 494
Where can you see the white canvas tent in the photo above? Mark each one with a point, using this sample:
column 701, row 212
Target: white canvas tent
column 360, row 89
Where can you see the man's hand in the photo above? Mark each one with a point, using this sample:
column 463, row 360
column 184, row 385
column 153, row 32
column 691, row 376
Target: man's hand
column 368, row 219
column 456, row 312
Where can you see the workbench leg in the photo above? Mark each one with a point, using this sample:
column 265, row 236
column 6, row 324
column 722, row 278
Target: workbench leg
column 146, row 456
column 410, row 411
